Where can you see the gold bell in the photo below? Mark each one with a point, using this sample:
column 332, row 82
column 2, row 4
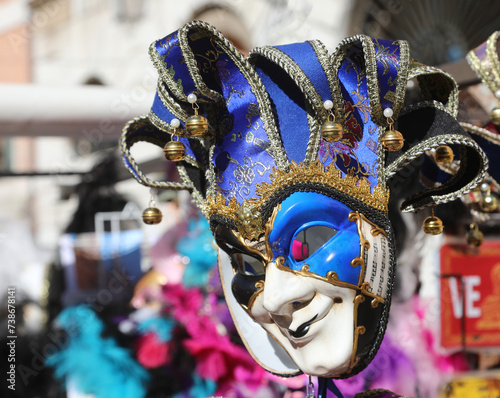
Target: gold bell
column 331, row 131
column 152, row 216
column 475, row 237
column 392, row 140
column 495, row 115
column 174, row 150
column 195, row 125
column 443, row 154
column 433, row 225
column 489, row 202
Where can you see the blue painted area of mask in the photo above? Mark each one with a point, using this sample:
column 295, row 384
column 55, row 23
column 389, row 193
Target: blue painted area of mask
column 303, row 210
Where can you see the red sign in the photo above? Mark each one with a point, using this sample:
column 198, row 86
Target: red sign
column 470, row 296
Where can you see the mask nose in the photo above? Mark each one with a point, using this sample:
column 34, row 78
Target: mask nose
column 284, row 291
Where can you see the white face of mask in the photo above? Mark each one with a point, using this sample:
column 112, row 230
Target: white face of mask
column 302, row 284
column 311, row 319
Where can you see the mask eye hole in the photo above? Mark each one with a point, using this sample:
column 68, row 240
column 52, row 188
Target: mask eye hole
column 309, row 240
column 247, row 265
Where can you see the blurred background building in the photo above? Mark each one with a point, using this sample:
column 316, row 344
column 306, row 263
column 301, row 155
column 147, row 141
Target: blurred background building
column 73, row 72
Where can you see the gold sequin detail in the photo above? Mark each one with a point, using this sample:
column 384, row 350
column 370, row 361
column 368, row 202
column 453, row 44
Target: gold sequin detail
column 315, row 173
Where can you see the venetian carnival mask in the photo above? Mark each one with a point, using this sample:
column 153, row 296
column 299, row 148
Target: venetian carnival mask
column 300, row 214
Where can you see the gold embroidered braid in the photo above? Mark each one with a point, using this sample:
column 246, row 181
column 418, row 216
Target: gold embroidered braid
column 190, row 59
column 296, row 74
column 327, row 66
column 315, row 173
column 486, row 134
column 136, row 172
column 381, row 169
column 402, row 76
column 418, row 70
column 426, row 104
column 198, row 198
column 211, row 175
column 336, row 60
column 164, row 73
column 171, row 104
column 338, row 102
column 427, row 145
column 314, row 139
column 372, row 81
column 432, row 143
column 488, row 68
column 492, row 54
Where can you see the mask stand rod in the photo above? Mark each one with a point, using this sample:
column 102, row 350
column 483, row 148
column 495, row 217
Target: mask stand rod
column 325, row 385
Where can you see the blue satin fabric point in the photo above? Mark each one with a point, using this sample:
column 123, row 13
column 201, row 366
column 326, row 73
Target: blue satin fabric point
column 303, row 210
column 307, row 59
column 173, row 61
column 241, row 158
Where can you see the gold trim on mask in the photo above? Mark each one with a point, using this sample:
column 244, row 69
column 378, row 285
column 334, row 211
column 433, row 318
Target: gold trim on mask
column 358, row 329
column 331, row 276
column 260, row 288
column 315, row 173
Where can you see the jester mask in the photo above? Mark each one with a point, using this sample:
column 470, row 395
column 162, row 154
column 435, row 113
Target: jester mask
column 306, row 249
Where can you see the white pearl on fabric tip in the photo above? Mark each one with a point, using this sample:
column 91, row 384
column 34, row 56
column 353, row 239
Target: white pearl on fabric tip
column 192, row 98
column 388, row 112
column 175, row 123
column 497, row 94
column 328, row 104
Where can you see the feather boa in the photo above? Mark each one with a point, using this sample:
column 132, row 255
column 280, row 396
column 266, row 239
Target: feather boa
column 93, row 364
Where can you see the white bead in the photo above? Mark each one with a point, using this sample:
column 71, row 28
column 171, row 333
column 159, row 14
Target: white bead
column 328, row 104
column 175, row 123
column 192, row 98
column 388, row 112
column 497, row 94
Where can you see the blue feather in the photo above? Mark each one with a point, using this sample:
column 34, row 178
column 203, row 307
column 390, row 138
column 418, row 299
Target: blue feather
column 160, row 326
column 198, row 246
column 94, row 364
column 200, row 388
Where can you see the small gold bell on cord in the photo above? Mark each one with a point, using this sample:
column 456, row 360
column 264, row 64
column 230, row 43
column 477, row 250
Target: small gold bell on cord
column 489, row 202
column 433, row 225
column 392, row 140
column 443, row 154
column 196, row 125
column 152, row 215
column 331, row 131
column 174, row 150
column 475, row 237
